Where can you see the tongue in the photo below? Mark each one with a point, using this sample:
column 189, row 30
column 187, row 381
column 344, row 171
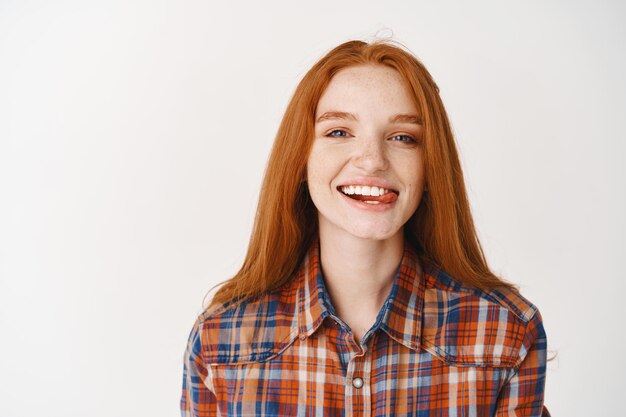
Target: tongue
column 386, row 198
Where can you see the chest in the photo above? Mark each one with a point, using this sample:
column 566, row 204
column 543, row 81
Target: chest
column 323, row 377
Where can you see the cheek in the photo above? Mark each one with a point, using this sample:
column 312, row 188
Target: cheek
column 313, row 171
column 410, row 168
column 320, row 166
column 315, row 175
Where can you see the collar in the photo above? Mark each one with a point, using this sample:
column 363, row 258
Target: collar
column 426, row 310
column 401, row 314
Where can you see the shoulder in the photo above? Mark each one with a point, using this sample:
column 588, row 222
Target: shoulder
column 470, row 326
column 251, row 331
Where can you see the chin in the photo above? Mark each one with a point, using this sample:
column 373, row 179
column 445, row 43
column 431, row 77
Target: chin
column 373, row 233
column 360, row 228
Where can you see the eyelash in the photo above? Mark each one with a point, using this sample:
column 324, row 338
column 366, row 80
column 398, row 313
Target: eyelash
column 337, row 130
column 410, row 138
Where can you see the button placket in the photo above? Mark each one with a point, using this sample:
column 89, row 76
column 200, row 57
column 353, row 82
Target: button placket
column 358, row 398
column 366, row 378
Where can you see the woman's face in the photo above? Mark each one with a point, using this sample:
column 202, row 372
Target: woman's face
column 365, row 172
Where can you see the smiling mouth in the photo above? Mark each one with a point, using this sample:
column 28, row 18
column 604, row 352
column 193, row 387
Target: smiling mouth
column 370, row 195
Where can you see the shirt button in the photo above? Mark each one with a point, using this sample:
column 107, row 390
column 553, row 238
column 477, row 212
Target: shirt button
column 357, row 383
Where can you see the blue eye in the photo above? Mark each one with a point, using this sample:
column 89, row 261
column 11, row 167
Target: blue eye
column 403, row 138
column 338, row 133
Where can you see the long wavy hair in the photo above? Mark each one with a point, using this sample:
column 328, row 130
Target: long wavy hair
column 441, row 229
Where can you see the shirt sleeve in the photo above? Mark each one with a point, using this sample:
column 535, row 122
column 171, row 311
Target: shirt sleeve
column 523, row 393
column 196, row 399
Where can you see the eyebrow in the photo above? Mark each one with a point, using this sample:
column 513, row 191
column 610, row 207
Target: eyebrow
column 398, row 118
column 332, row 115
column 406, row 118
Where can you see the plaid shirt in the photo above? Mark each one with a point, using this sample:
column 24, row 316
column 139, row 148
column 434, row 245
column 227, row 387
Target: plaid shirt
column 437, row 348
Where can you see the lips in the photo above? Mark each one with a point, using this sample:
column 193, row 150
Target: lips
column 371, row 194
column 384, row 199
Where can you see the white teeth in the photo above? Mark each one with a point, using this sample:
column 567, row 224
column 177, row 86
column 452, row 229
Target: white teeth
column 364, row 190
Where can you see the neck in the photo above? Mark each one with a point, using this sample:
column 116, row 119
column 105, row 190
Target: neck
column 359, row 275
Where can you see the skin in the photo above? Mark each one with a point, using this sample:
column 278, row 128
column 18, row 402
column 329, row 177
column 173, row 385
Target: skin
column 357, row 140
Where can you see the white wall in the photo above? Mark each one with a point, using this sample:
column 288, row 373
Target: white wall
column 133, row 138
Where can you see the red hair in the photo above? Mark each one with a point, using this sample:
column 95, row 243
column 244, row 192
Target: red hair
column 441, row 229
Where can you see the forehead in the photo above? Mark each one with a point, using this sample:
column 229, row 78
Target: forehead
column 358, row 86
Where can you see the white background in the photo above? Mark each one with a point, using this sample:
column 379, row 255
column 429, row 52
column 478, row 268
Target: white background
column 133, row 139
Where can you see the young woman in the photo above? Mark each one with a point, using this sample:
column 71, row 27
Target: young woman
column 365, row 291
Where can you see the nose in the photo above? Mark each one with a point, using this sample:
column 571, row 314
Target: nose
column 371, row 155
